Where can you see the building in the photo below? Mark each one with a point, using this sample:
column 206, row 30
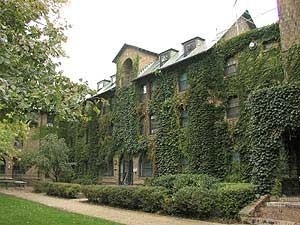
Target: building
column 187, row 110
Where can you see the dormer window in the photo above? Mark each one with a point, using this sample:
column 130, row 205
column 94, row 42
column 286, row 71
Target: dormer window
column 166, row 55
column 101, row 84
column 231, row 66
column 113, row 79
column 192, row 44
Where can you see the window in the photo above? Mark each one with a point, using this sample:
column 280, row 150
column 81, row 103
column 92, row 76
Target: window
column 231, row 66
column 183, row 118
column 143, row 93
column 127, row 69
column 153, row 124
column 233, row 110
column 145, row 166
column 50, row 120
column 109, row 168
column 189, row 47
column 152, row 89
column 2, row 165
column 110, row 129
column 270, row 44
column 142, row 126
column 182, row 83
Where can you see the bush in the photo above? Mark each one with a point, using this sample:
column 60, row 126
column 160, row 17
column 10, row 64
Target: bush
column 149, row 199
column 64, row 190
column 178, row 181
column 191, row 202
column 40, row 186
column 232, row 197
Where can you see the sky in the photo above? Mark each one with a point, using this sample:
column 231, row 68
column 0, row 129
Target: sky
column 100, row 28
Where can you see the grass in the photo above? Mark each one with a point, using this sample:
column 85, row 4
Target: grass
column 14, row 211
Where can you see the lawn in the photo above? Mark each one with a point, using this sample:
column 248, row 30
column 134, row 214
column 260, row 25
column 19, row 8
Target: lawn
column 14, row 211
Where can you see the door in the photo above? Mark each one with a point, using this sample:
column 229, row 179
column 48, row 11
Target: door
column 126, row 171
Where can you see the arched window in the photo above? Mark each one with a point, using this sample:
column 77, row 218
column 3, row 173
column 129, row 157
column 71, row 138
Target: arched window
column 145, row 169
column 2, row 166
column 127, row 72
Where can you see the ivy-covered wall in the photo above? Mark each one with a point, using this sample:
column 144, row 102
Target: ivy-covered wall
column 209, row 142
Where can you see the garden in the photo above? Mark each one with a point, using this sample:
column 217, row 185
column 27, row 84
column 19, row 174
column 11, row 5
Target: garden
column 187, row 195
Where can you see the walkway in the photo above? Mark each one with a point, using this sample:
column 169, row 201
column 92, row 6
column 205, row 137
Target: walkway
column 123, row 216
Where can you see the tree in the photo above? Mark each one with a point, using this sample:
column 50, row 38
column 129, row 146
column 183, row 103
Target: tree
column 52, row 158
column 31, row 37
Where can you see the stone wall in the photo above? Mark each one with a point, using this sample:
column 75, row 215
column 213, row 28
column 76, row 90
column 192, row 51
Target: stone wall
column 289, row 22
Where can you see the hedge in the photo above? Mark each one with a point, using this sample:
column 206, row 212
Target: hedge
column 148, row 199
column 178, row 181
column 191, row 202
column 40, row 187
column 64, row 190
column 232, row 197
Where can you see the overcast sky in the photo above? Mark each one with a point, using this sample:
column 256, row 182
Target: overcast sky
column 100, row 28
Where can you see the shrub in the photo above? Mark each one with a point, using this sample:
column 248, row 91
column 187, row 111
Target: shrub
column 178, row 181
column 149, row 199
column 64, row 190
column 40, row 186
column 192, row 202
column 232, row 197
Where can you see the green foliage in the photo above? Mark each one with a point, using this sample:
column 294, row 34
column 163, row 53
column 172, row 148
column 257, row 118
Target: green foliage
column 63, row 190
column 178, row 181
column 273, row 112
column 191, row 201
column 148, row 199
column 232, row 197
column 52, row 157
column 40, row 186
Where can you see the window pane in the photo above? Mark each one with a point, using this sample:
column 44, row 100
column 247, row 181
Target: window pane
column 153, row 124
column 183, row 118
column 145, row 167
column 233, row 110
column 183, row 82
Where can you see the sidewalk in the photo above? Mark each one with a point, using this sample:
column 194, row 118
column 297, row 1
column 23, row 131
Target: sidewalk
column 81, row 206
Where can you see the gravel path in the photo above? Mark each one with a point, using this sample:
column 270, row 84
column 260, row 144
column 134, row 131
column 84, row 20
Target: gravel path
column 123, row 216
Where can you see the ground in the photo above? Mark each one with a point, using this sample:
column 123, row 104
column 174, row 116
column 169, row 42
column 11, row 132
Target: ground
column 19, row 211
column 80, row 206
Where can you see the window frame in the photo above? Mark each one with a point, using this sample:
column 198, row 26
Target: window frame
column 231, row 66
column 153, row 124
column 232, row 106
column 183, row 118
column 144, row 171
column 183, row 83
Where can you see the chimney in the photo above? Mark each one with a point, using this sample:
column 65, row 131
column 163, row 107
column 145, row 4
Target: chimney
column 101, row 84
column 166, row 55
column 190, row 45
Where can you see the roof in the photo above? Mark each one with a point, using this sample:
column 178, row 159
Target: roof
column 109, row 87
column 195, row 38
column 176, row 58
column 135, row 47
column 179, row 56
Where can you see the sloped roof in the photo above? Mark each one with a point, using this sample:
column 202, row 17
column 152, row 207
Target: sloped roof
column 125, row 46
column 179, row 56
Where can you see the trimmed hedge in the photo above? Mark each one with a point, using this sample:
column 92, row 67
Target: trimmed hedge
column 232, row 197
column 64, row 190
column 40, row 186
column 148, row 199
column 178, row 181
column 191, row 202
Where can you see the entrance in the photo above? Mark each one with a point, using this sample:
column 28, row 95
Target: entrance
column 126, row 171
column 291, row 184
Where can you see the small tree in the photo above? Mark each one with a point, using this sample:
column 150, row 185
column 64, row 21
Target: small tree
column 52, row 158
